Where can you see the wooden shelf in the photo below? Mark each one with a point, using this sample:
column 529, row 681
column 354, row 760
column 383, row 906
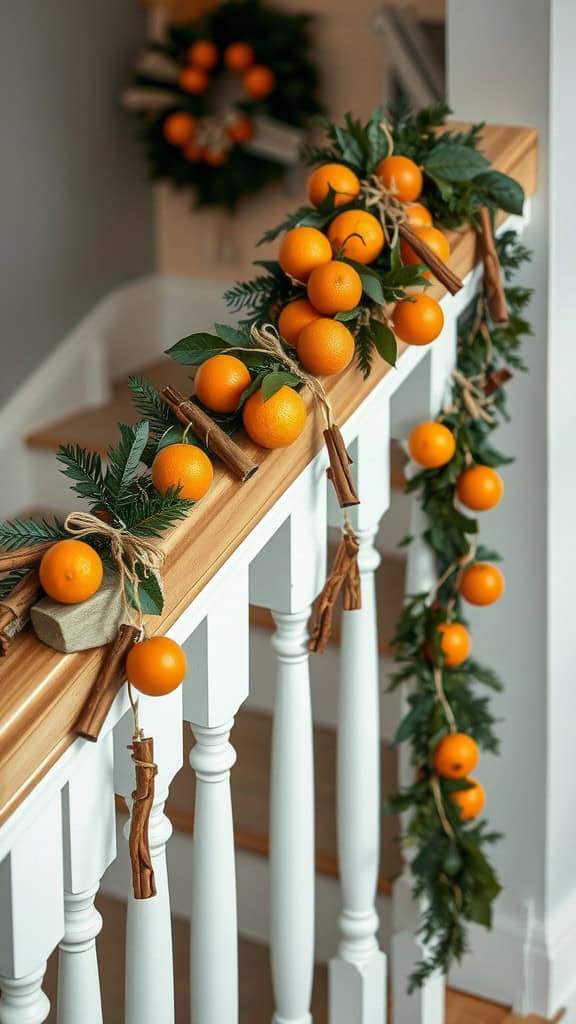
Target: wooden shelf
column 41, row 691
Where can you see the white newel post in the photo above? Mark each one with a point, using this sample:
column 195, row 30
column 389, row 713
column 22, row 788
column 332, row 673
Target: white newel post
column 216, row 686
column 31, row 912
column 421, row 398
column 358, row 971
column 89, row 847
column 149, row 962
column 286, row 577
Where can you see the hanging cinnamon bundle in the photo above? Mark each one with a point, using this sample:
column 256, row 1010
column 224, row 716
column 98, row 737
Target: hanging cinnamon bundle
column 207, row 431
column 344, row 576
column 109, row 682
column 15, row 608
column 492, row 273
column 143, row 881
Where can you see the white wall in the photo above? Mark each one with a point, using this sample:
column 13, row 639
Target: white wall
column 75, row 208
column 521, row 70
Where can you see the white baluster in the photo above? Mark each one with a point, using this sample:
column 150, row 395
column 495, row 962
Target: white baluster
column 31, row 915
column 216, row 687
column 89, row 847
column 286, row 577
column 149, row 960
column 292, row 824
column 421, row 399
column 358, row 971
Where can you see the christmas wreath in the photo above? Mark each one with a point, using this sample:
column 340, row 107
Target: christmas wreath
column 212, row 96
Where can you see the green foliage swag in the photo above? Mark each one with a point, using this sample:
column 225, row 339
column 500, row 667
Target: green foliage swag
column 457, row 182
column 281, row 41
column 451, row 873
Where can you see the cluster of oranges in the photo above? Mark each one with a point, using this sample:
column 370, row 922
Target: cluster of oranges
column 313, row 258
column 198, row 141
column 455, row 757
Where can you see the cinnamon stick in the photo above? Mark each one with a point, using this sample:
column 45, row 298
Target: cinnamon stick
column 215, row 439
column 18, row 602
column 23, row 557
column 345, row 576
column 492, row 273
column 339, row 471
column 441, row 270
column 143, row 881
column 496, row 380
column 109, row 681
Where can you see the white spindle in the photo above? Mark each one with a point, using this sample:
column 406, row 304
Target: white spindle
column 427, row 391
column 216, row 687
column 149, row 961
column 89, row 847
column 31, row 902
column 286, row 577
column 292, row 823
column 358, row 971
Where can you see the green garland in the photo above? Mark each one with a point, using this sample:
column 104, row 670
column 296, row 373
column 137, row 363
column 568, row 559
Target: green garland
column 457, row 182
column 450, row 871
column 280, row 41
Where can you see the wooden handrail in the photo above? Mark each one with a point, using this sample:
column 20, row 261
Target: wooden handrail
column 41, row 691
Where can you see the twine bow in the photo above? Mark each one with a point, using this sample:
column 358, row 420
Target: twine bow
column 128, row 552
column 267, row 339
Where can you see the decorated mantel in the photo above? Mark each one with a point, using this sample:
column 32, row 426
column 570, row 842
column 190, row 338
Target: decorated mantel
column 353, row 292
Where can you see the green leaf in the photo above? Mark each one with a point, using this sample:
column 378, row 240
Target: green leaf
column 232, row 335
column 372, row 287
column 196, row 348
column 384, row 341
column 123, row 462
column 272, row 382
column 502, row 190
column 352, row 152
column 378, row 145
column 149, row 593
column 452, row 161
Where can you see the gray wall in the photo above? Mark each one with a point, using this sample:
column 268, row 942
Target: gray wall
column 75, row 208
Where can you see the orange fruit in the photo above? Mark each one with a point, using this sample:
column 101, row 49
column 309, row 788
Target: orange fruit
column 293, row 318
column 156, row 666
column 179, row 128
column 194, row 80
column 431, row 445
column 435, row 241
column 418, row 216
column 277, row 422
column 455, row 644
column 357, row 235
column 325, row 347
column 482, row 583
column 239, row 56
column 480, row 488
column 193, row 152
column 203, row 54
column 418, row 320
column 470, row 801
column 241, row 130
column 184, row 466
column 71, row 571
column 301, row 250
column 216, row 157
column 455, row 756
column 334, row 287
column 259, row 81
column 341, row 179
column 401, row 176
column 220, row 381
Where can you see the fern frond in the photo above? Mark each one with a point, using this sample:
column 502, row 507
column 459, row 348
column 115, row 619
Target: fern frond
column 22, row 533
column 250, row 296
column 124, row 459
column 149, row 404
column 84, row 469
column 151, row 513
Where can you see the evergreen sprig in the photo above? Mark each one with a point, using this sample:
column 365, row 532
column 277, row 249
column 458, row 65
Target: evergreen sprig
column 22, row 533
column 451, row 873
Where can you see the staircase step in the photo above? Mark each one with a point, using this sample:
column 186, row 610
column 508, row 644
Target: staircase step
column 252, row 737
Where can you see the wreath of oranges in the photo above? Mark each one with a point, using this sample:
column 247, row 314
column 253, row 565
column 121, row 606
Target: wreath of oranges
column 219, row 75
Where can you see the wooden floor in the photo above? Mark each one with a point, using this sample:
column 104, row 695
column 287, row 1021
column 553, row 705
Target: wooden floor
column 256, row 1001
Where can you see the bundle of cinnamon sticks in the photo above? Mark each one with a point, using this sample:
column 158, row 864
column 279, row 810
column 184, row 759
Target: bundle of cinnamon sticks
column 15, row 607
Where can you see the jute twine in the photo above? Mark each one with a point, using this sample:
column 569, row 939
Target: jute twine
column 128, row 552
column 267, row 339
